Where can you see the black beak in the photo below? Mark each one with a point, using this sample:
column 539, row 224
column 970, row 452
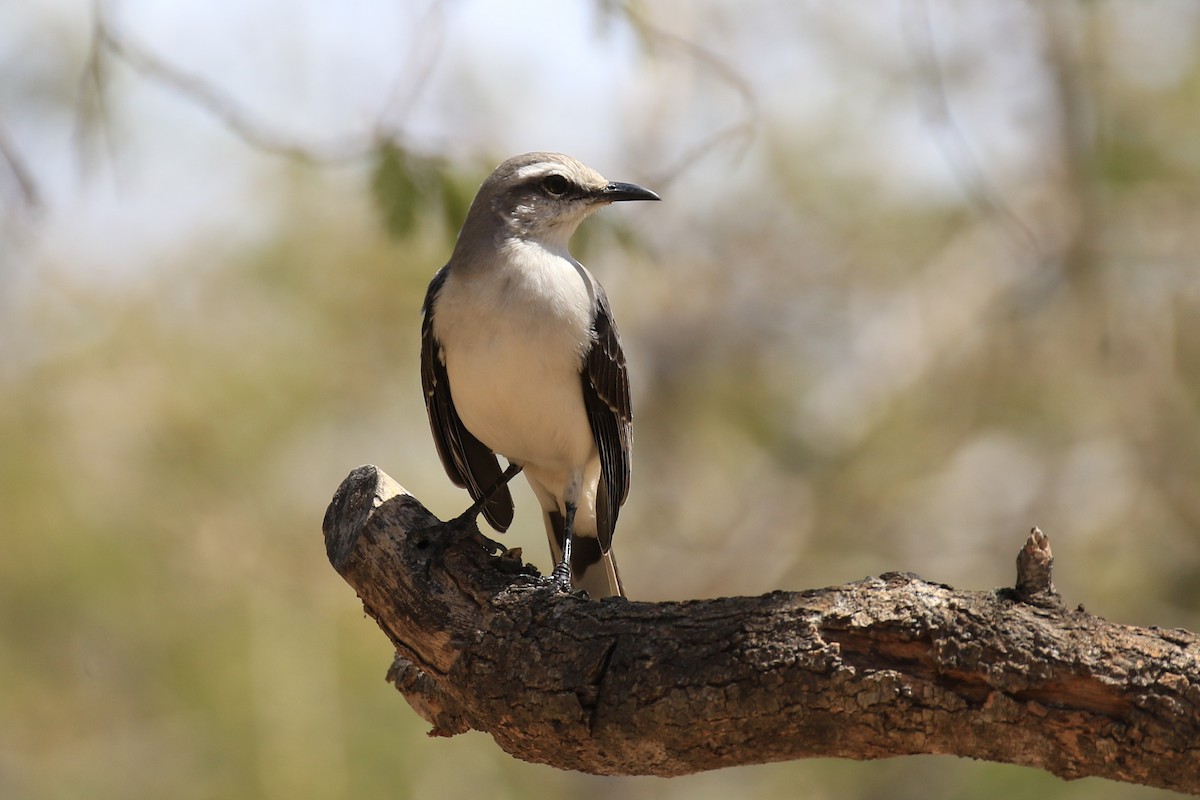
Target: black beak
column 626, row 191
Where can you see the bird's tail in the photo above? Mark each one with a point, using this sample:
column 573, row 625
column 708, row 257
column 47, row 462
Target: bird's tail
column 592, row 569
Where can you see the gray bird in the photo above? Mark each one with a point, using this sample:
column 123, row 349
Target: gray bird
column 520, row 357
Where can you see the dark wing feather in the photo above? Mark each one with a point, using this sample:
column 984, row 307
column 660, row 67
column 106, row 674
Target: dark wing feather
column 606, row 397
column 468, row 461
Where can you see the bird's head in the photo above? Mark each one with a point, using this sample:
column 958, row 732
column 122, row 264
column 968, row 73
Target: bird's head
column 543, row 197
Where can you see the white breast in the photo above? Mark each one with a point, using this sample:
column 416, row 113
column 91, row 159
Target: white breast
column 514, row 336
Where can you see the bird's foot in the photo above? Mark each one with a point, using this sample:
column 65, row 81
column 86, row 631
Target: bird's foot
column 561, row 576
column 466, row 525
column 436, row 540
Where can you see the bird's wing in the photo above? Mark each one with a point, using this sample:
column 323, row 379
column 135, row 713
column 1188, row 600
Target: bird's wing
column 606, row 397
column 468, row 461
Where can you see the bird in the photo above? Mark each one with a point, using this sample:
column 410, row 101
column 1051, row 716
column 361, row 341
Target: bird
column 520, row 357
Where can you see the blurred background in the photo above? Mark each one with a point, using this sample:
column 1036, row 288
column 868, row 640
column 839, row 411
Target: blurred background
column 924, row 276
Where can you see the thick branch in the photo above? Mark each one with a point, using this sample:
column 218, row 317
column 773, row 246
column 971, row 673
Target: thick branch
column 883, row 667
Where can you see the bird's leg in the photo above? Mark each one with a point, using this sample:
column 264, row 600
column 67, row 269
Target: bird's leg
column 572, row 493
column 439, row 537
column 473, row 512
column 562, row 570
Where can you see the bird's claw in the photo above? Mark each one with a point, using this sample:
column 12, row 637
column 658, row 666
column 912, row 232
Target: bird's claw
column 561, row 576
column 466, row 525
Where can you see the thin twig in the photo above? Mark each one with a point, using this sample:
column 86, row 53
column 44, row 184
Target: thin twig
column 428, row 40
column 26, row 185
column 742, row 128
column 91, row 107
column 952, row 142
column 237, row 118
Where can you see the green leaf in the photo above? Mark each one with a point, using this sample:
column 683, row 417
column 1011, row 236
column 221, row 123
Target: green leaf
column 397, row 190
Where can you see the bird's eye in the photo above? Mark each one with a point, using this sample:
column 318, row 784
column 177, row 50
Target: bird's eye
column 555, row 185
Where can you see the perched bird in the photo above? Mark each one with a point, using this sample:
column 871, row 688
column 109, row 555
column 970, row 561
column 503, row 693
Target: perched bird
column 520, row 357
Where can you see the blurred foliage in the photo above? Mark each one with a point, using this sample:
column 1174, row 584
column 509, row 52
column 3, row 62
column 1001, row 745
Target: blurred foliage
column 838, row 370
column 405, row 186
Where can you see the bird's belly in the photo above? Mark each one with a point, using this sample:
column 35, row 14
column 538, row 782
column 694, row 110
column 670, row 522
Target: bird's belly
column 522, row 396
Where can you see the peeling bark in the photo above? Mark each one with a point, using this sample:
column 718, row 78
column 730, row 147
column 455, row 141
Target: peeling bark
column 881, row 667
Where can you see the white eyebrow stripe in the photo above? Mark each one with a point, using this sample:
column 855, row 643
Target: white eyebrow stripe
column 540, row 168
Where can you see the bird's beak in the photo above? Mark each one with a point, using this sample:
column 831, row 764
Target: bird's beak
column 626, row 191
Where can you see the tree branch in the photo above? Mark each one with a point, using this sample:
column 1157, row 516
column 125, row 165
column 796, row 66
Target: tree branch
column 937, row 110
column 882, row 667
column 21, row 174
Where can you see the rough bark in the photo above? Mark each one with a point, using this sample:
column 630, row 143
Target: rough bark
column 882, row 667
